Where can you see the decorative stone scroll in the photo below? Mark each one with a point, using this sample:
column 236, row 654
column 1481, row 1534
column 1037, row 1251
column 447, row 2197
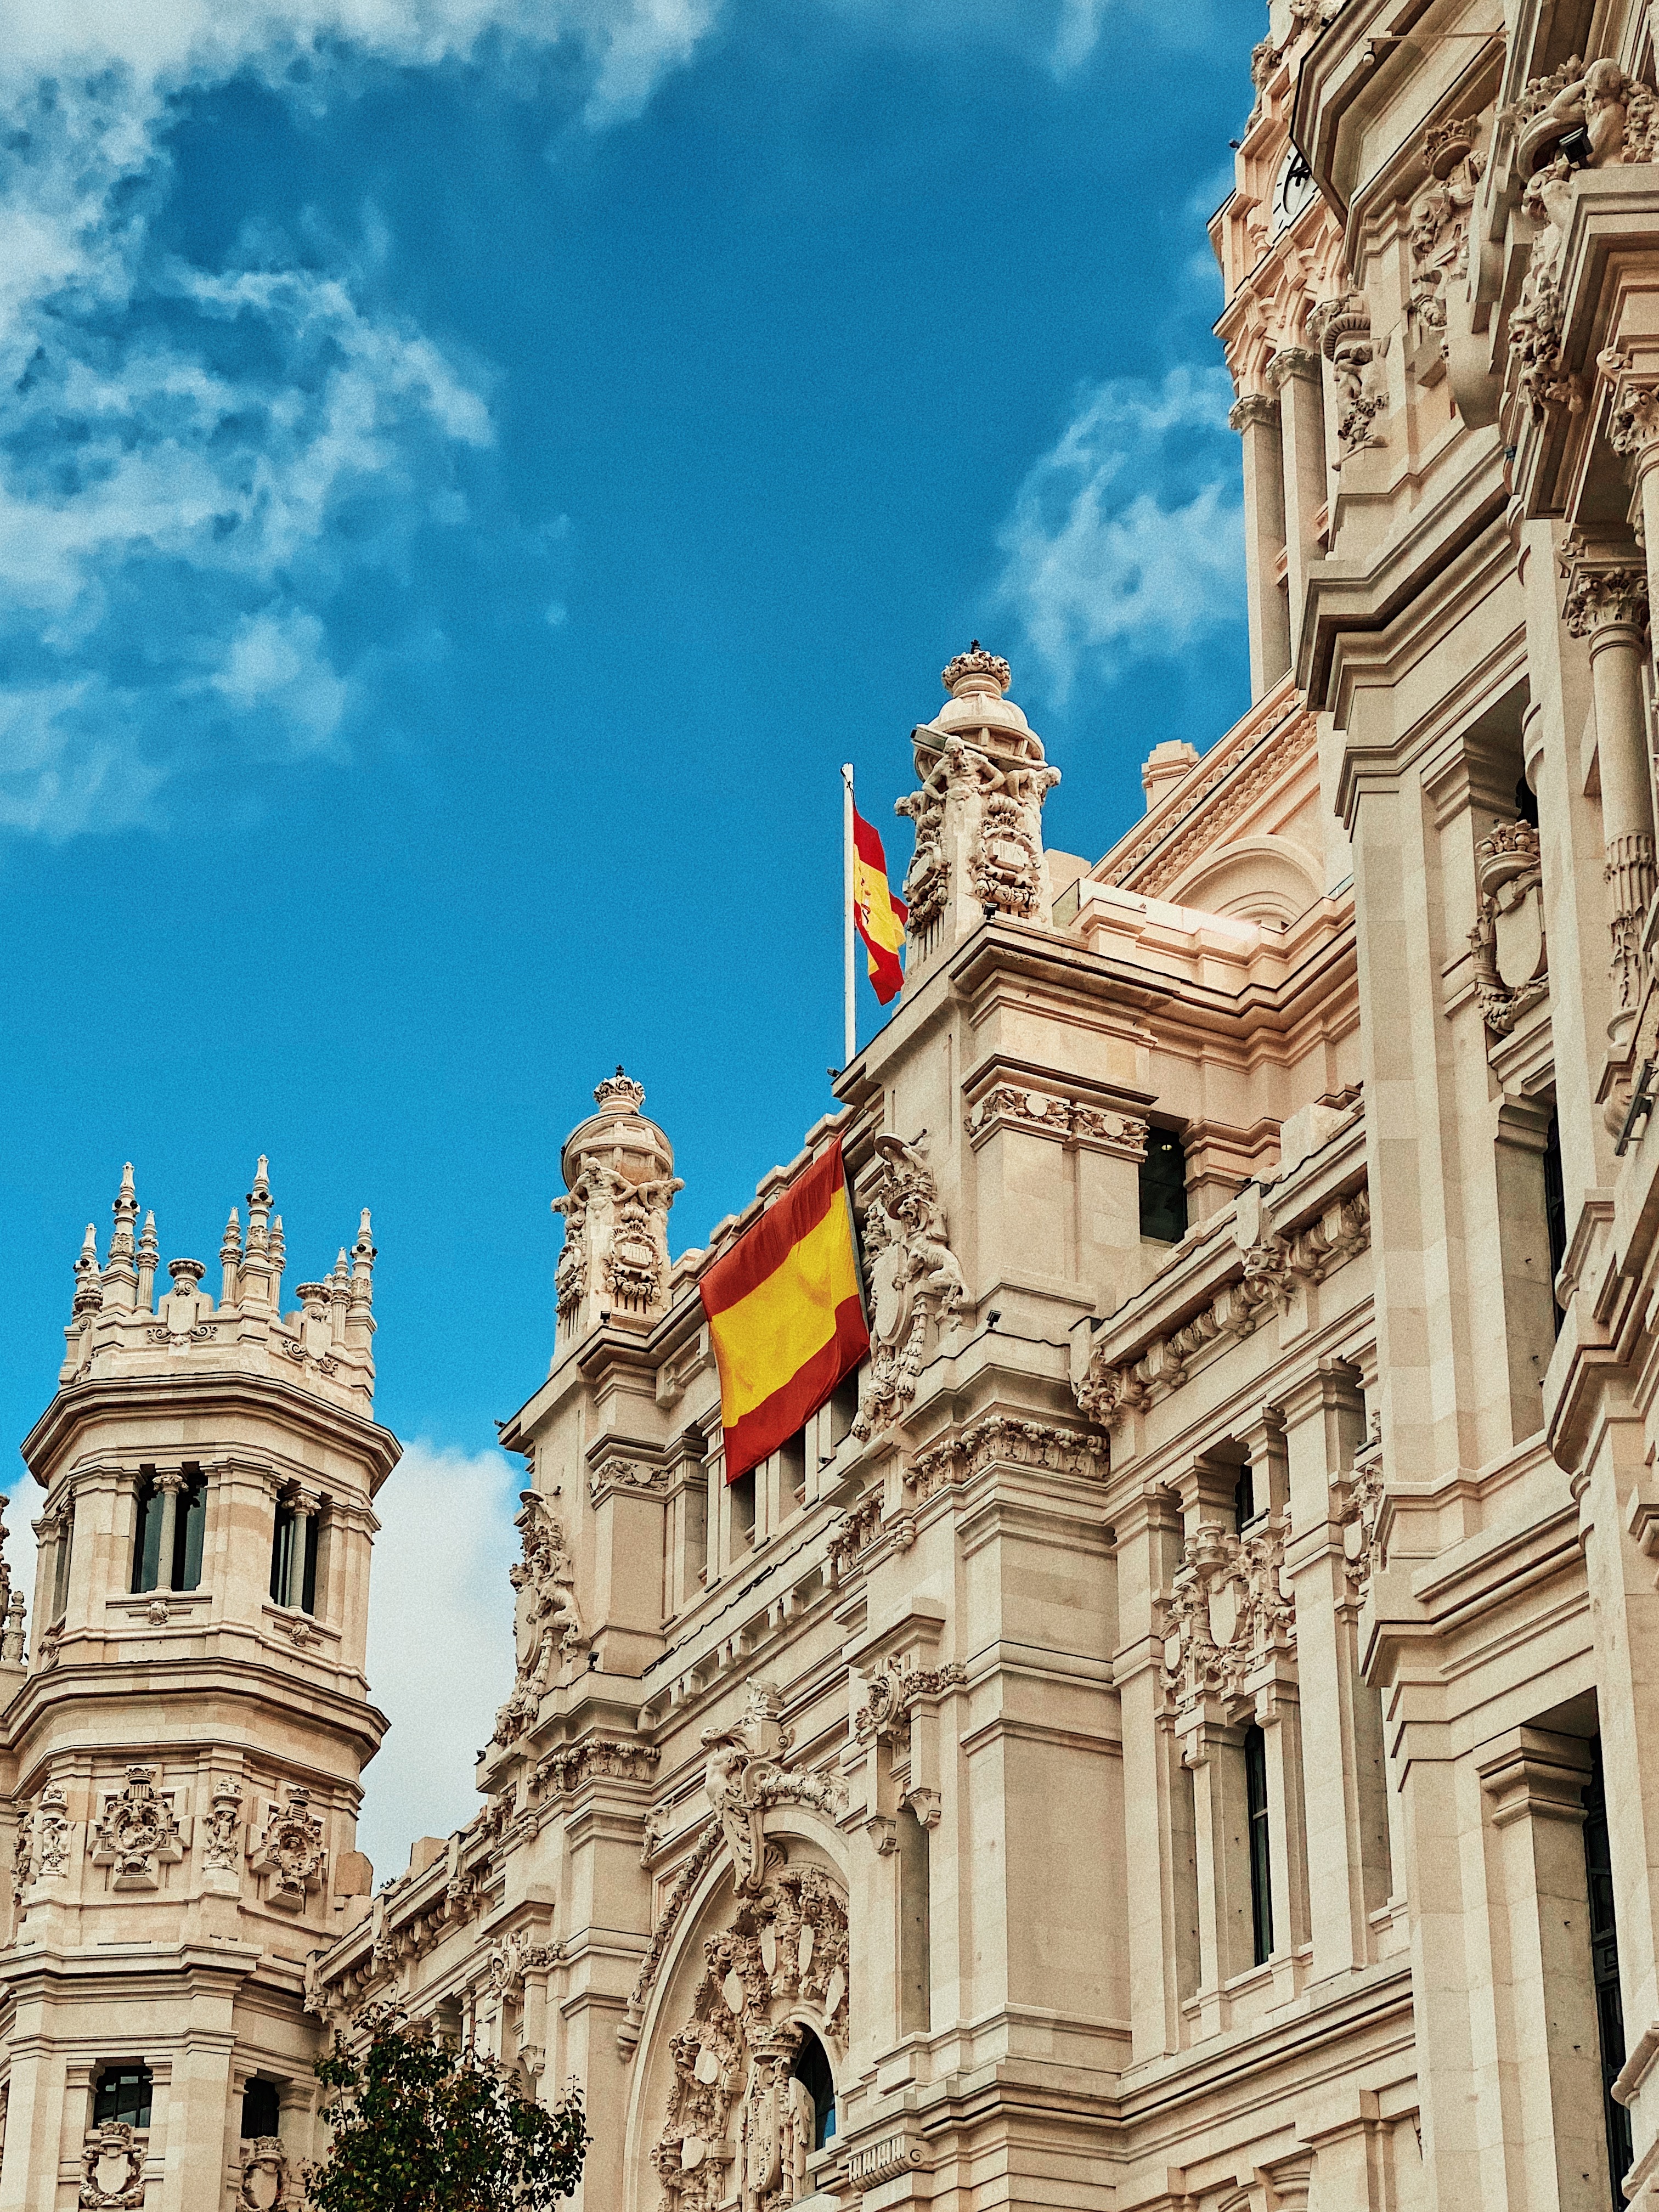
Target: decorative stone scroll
column 1511, row 961
column 1357, row 1509
column 111, row 2171
column 1274, row 1268
column 739, row 2126
column 915, row 1281
column 744, row 1773
column 547, row 1628
column 892, row 1695
column 1228, row 1611
column 290, row 1853
column 137, row 1833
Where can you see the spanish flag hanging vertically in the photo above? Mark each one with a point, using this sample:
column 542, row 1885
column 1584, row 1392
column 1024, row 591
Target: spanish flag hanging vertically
column 786, row 1314
column 879, row 915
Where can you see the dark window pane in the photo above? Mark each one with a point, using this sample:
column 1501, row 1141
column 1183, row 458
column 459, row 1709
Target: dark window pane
column 1255, row 1804
column 1163, row 1188
column 308, row 1582
column 1244, row 1498
column 147, row 1537
column 281, row 1553
column 1555, row 1209
column 187, row 1535
column 1604, row 1968
column 260, row 2109
column 123, row 2095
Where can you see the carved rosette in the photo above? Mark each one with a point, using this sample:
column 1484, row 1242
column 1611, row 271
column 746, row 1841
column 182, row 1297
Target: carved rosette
column 1228, row 1613
column 1511, row 963
column 739, row 2127
column 547, row 1626
column 137, row 1833
column 291, row 1853
column 915, row 1281
column 111, row 2170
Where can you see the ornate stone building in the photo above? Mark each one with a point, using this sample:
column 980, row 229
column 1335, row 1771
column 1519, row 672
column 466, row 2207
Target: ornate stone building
column 1179, row 1730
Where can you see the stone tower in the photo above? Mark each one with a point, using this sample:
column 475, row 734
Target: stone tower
column 181, row 1760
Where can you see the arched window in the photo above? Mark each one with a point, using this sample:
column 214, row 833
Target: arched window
column 813, row 2072
column 123, row 2094
column 261, row 2109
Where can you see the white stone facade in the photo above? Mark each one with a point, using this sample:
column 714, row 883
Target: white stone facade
column 1180, row 1730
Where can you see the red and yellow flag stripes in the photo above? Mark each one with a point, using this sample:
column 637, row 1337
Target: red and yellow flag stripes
column 879, row 915
column 786, row 1314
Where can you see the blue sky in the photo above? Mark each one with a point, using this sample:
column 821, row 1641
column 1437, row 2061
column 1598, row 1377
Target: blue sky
column 469, row 473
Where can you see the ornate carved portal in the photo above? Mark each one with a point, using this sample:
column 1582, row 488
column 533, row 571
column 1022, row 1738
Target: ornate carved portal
column 914, row 1278
column 739, row 2126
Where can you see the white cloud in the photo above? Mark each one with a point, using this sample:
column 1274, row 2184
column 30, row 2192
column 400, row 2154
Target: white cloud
column 195, row 461
column 1126, row 540
column 440, row 1640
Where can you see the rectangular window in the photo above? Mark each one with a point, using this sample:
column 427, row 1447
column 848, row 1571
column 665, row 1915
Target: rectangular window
column 282, row 1554
column 60, row 1580
column 123, row 2094
column 1244, row 1498
column 147, row 1534
column 1163, row 1188
column 187, row 1528
column 308, row 1577
column 1256, row 1808
column 743, row 1508
column 1604, row 1969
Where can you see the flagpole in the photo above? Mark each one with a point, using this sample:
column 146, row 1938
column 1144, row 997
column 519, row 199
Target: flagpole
column 849, row 964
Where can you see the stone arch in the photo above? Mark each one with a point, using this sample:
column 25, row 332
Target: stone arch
column 715, row 2102
column 1270, row 880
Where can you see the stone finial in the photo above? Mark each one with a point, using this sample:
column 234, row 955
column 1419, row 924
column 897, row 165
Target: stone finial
column 185, row 1273
column 976, row 669
column 230, row 1257
column 362, row 1263
column 89, row 1279
column 126, row 1213
column 619, row 1093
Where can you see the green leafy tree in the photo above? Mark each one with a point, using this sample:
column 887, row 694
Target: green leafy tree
column 420, row 2126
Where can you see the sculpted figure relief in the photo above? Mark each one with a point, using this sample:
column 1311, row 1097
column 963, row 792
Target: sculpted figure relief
column 914, row 1276
column 547, row 1628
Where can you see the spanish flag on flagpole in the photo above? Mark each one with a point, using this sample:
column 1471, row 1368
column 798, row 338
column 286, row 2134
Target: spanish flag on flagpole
column 786, row 1314
column 878, row 916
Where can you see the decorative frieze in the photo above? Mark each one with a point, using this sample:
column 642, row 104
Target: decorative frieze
column 597, row 1757
column 137, row 1833
column 1006, row 1439
column 1070, row 1120
column 616, row 1473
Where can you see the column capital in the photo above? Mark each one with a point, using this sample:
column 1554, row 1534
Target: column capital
column 1604, row 590
column 1252, row 408
column 1292, row 360
column 1633, row 418
column 1533, row 1773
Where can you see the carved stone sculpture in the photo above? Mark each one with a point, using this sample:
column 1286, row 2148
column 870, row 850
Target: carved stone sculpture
column 137, row 1833
column 1440, row 221
column 1228, row 1611
column 620, row 1185
column 1511, row 961
column 222, row 1830
column 111, row 2171
column 263, row 2185
column 290, row 1852
column 53, row 1833
column 1357, row 1509
column 1343, row 328
column 739, row 2125
column 915, row 1280
column 547, row 1628
column 744, row 1773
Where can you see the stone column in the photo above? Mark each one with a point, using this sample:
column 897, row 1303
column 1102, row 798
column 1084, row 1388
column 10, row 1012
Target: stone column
column 1255, row 416
column 1546, row 2051
column 1277, row 1713
column 1214, row 1753
column 169, row 1481
column 1295, row 375
column 1607, row 604
column 304, row 1509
